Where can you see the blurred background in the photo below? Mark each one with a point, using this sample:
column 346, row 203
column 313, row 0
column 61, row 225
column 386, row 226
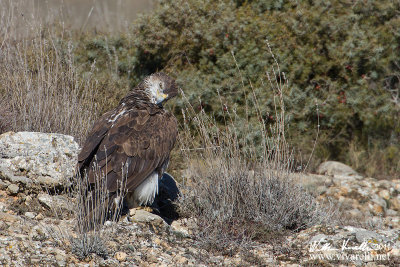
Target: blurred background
column 110, row 15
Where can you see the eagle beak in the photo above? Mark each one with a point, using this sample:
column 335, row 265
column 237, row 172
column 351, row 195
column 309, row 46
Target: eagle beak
column 161, row 97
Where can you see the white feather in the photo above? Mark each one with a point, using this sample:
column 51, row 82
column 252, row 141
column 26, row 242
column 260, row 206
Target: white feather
column 145, row 193
column 120, row 114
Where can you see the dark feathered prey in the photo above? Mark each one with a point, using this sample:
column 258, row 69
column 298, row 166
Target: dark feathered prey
column 138, row 134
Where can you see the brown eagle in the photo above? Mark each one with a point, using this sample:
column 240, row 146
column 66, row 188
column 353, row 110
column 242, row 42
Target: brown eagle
column 138, row 134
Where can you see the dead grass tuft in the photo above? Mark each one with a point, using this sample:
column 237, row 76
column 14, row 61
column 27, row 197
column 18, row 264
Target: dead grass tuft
column 93, row 218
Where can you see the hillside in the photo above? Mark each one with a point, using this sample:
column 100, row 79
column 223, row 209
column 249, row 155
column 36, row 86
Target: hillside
column 38, row 226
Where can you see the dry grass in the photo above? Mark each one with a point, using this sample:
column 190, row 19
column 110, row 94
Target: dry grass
column 5, row 116
column 376, row 162
column 239, row 189
column 40, row 81
column 92, row 217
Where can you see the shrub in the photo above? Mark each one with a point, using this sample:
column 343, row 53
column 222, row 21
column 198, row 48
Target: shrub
column 5, row 116
column 344, row 60
column 239, row 189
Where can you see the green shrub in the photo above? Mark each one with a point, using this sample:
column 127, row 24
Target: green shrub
column 339, row 55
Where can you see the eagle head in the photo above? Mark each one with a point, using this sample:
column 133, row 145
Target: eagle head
column 159, row 87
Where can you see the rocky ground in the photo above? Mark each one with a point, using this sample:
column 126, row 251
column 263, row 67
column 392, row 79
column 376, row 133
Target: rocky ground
column 37, row 225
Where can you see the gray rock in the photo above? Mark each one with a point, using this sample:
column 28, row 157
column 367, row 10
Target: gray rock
column 365, row 235
column 42, row 158
column 318, row 238
column 337, row 169
column 391, row 212
column 3, row 207
column 8, row 217
column 178, row 228
column 39, row 233
column 54, row 202
column 30, row 215
column 3, row 226
column 13, row 189
column 142, row 216
column 15, row 179
column 379, row 201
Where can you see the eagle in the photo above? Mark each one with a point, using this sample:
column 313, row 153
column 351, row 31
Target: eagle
column 133, row 142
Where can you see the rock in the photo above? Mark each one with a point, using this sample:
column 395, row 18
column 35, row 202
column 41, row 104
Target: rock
column 379, row 205
column 3, row 207
column 39, row 233
column 46, row 200
column 30, row 215
column 337, row 169
column 365, row 236
column 179, row 228
column 394, row 253
column 15, row 179
column 6, row 217
column 181, row 260
column 390, row 212
column 60, row 257
column 395, row 203
column 110, row 262
column 142, row 216
column 384, row 194
column 355, row 213
column 318, row 238
column 54, row 202
column 39, row 217
column 43, row 158
column 120, row 256
column 3, row 225
column 13, row 189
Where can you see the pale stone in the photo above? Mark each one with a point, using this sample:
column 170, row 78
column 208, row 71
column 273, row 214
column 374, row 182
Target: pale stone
column 179, row 229
column 395, row 203
column 8, row 217
column 384, row 194
column 121, row 256
column 142, row 216
column 42, row 158
column 13, row 189
column 337, row 169
column 30, row 215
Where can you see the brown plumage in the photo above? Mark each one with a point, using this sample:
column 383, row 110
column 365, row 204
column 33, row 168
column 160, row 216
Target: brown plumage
column 138, row 134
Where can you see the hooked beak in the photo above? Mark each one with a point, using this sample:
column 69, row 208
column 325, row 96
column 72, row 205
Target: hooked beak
column 160, row 98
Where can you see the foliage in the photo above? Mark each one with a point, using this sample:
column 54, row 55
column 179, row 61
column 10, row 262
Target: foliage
column 337, row 54
column 239, row 189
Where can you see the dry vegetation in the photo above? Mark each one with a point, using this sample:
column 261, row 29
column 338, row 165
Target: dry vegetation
column 39, row 80
column 236, row 194
column 88, row 207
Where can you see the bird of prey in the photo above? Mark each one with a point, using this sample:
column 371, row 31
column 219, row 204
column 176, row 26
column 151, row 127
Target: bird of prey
column 138, row 134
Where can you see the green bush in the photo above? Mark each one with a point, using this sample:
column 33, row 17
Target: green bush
column 342, row 56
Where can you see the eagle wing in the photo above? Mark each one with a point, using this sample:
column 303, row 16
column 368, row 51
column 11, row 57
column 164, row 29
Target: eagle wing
column 139, row 139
